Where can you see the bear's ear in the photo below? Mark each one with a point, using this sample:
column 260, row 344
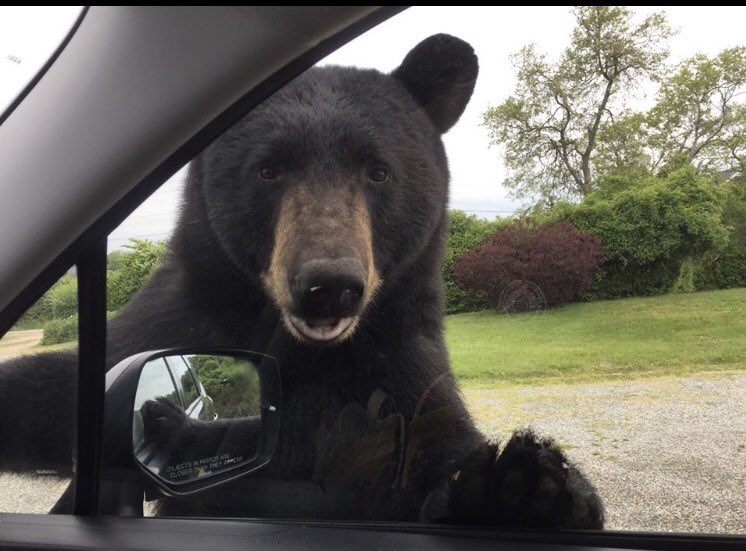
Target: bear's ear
column 440, row 72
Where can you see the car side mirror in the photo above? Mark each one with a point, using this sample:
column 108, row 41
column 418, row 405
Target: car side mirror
column 189, row 419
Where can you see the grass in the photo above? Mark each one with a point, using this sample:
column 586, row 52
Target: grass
column 632, row 338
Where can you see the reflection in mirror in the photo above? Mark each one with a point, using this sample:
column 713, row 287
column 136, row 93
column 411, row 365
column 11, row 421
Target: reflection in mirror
column 196, row 415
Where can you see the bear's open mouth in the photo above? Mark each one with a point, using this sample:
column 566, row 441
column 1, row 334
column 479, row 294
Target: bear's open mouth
column 322, row 329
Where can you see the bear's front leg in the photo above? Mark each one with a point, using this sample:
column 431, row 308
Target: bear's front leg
column 530, row 484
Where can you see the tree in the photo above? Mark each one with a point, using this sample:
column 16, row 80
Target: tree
column 550, row 127
column 144, row 258
column 623, row 151
column 115, row 260
column 697, row 119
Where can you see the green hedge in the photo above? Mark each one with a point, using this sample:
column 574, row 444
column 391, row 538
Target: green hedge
column 465, row 232
column 58, row 331
column 649, row 231
column 60, row 301
column 128, row 270
column 143, row 258
column 725, row 269
column 232, row 384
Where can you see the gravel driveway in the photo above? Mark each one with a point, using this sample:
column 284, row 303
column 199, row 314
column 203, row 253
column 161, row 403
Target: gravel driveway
column 666, row 454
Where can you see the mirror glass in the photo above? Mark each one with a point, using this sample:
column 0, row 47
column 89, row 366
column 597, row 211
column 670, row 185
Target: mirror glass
column 196, row 415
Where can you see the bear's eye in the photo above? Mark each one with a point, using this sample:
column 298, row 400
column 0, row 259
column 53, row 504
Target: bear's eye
column 378, row 175
column 267, row 173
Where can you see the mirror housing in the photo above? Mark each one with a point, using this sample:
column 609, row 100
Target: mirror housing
column 122, row 470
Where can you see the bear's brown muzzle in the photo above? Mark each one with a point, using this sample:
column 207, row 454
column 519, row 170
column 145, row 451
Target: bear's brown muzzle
column 322, row 272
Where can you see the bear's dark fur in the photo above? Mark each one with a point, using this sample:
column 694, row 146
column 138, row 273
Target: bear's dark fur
column 314, row 231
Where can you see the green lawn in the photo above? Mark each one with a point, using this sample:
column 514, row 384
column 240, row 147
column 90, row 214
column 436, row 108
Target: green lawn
column 672, row 334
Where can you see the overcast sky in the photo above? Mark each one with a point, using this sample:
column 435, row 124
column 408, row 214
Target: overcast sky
column 27, row 36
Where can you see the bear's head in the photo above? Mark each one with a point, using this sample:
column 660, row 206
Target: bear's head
column 335, row 186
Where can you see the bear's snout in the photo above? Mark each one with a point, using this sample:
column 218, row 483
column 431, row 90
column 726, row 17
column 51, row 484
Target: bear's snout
column 328, row 288
column 327, row 297
column 322, row 272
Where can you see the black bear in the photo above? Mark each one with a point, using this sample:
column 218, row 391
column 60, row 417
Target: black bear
column 314, row 230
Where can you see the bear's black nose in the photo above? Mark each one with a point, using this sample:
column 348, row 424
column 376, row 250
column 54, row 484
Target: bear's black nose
column 329, row 288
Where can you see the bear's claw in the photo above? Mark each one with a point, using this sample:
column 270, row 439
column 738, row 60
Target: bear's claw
column 531, row 484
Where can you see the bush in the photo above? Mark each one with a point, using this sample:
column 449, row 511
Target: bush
column 58, row 331
column 64, row 297
column 632, row 279
column 465, row 232
column 734, row 211
column 725, row 269
column 60, row 301
column 554, row 256
column 35, row 316
column 232, row 384
column 649, row 230
column 685, row 282
column 139, row 264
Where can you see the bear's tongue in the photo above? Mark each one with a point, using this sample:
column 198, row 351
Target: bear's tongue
column 321, row 329
column 325, row 324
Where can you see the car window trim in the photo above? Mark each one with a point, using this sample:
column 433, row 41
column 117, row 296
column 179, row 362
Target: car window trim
column 175, row 381
column 616, row 539
column 195, row 533
column 171, row 361
column 91, row 269
column 176, row 384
